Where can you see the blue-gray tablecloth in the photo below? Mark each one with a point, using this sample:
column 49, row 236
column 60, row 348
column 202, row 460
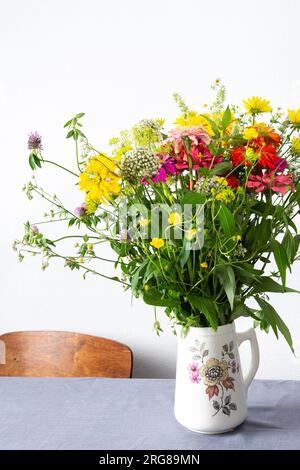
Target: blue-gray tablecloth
column 93, row 413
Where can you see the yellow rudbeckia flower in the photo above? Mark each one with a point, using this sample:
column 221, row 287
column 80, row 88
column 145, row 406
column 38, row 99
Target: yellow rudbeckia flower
column 100, row 180
column 257, row 105
column 296, row 145
column 157, row 243
column 294, row 117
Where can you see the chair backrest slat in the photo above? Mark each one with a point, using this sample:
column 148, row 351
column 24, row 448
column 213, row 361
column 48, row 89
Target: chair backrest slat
column 63, row 354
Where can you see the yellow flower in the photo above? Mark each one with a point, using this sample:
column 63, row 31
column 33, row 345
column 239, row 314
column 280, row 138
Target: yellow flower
column 296, row 145
column 144, row 222
column 256, row 105
column 250, row 133
column 146, row 287
column 226, row 195
column 222, row 180
column 157, row 243
column 174, row 218
column 204, row 265
column 237, row 238
column 191, row 233
column 90, row 247
column 294, row 116
column 99, row 180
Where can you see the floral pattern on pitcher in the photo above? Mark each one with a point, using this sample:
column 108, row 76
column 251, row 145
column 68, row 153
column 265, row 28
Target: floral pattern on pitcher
column 216, row 375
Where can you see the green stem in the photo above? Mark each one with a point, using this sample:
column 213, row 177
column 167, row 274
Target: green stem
column 61, row 167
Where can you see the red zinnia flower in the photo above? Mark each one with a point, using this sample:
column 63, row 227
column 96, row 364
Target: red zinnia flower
column 233, row 182
column 267, row 158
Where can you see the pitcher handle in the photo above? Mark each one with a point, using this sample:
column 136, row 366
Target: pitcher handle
column 250, row 335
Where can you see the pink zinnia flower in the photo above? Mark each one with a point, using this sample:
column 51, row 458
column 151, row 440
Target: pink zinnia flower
column 167, row 167
column 279, row 184
column 196, row 134
column 198, row 150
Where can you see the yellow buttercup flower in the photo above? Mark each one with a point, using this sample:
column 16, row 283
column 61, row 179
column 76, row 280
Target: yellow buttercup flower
column 237, row 238
column 204, row 265
column 296, row 145
column 191, row 233
column 174, row 218
column 294, row 117
column 250, row 133
column 257, row 105
column 144, row 222
column 157, row 243
column 100, row 181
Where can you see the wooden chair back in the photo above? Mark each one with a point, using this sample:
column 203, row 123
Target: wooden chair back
column 63, row 354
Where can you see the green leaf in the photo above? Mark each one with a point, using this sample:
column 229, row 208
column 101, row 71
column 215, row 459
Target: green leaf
column 289, row 245
column 37, row 160
column 281, row 259
column 276, row 322
column 246, row 273
column 267, row 284
column 185, row 253
column 227, row 222
column 154, row 297
column 226, row 119
column 79, row 115
column 191, row 197
column 212, row 124
column 31, row 162
column 221, row 168
column 241, row 310
column 79, row 132
column 70, row 134
column 206, row 307
column 227, row 279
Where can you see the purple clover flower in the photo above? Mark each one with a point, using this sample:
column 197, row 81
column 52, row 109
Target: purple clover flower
column 80, row 211
column 34, row 141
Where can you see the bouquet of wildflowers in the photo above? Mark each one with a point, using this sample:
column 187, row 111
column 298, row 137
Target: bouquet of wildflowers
column 194, row 214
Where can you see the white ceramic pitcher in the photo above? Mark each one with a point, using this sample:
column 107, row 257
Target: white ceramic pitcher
column 211, row 390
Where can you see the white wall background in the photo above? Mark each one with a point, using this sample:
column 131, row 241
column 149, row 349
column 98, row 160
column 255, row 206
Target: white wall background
column 119, row 61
